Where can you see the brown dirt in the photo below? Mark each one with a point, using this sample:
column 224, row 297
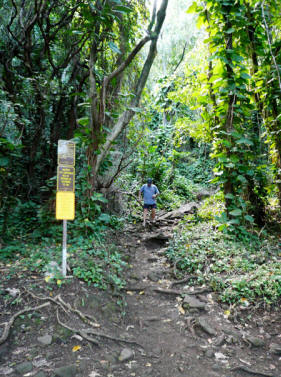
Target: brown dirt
column 169, row 341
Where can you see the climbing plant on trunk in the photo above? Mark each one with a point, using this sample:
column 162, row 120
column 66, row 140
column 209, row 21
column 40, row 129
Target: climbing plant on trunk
column 235, row 126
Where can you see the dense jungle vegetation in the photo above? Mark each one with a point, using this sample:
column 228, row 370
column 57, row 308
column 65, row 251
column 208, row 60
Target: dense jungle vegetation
column 187, row 93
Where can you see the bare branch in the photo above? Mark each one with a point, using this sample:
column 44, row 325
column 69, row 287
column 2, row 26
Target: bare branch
column 11, row 22
column 153, row 17
column 181, row 58
column 117, row 71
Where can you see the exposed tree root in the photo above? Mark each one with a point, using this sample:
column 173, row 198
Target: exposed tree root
column 66, row 306
column 85, row 333
column 85, row 317
column 135, row 289
column 9, row 324
column 116, row 339
column 180, row 293
column 76, row 331
column 251, row 371
column 168, row 291
column 185, row 280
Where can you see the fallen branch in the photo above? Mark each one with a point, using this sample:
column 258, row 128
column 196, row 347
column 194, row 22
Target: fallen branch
column 9, row 324
column 251, row 371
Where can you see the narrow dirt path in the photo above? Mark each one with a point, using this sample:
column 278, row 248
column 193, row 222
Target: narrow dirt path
column 191, row 336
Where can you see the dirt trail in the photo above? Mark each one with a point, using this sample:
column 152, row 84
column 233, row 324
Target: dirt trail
column 191, row 337
column 166, row 333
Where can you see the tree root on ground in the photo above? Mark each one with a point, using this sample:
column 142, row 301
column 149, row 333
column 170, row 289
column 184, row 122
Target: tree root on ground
column 9, row 324
column 185, row 280
column 250, row 371
column 85, row 334
column 168, row 291
column 180, row 293
column 76, row 331
column 66, row 307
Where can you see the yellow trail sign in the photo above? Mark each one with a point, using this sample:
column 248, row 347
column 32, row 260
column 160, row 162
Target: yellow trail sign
column 65, row 205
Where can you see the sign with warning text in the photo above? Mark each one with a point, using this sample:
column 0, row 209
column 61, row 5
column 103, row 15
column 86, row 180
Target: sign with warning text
column 66, row 178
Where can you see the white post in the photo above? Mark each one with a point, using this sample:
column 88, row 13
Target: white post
column 64, row 247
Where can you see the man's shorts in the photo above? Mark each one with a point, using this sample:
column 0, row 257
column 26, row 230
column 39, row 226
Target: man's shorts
column 149, row 206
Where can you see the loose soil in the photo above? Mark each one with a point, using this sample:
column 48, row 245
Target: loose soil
column 156, row 331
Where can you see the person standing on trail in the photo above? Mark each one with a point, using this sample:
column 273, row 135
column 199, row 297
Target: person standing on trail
column 149, row 192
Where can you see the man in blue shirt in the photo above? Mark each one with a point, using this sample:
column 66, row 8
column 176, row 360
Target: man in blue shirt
column 149, row 192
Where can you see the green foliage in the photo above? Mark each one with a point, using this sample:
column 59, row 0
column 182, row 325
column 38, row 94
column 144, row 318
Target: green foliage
column 224, row 88
column 212, row 207
column 98, row 265
column 90, row 259
column 237, row 270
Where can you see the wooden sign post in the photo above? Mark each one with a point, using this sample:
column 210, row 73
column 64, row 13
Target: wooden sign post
column 65, row 198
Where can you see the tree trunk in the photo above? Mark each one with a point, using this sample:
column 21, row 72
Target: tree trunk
column 98, row 150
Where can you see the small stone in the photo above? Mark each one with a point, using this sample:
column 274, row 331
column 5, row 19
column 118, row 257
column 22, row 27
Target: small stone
column 255, row 341
column 216, row 367
column 126, row 354
column 154, row 275
column 206, row 326
column 66, row 371
column 46, row 340
column 275, row 348
column 6, row 371
column 209, row 353
column 219, row 341
column 23, row 368
column 192, row 302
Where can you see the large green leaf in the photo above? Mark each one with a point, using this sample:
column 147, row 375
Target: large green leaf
column 236, row 212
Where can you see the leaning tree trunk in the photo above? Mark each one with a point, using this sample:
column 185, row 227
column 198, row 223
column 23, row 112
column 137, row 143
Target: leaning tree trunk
column 97, row 150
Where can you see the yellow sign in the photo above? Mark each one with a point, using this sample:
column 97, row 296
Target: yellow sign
column 65, row 205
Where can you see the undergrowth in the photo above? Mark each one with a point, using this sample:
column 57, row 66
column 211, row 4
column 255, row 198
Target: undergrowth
column 239, row 270
column 90, row 256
